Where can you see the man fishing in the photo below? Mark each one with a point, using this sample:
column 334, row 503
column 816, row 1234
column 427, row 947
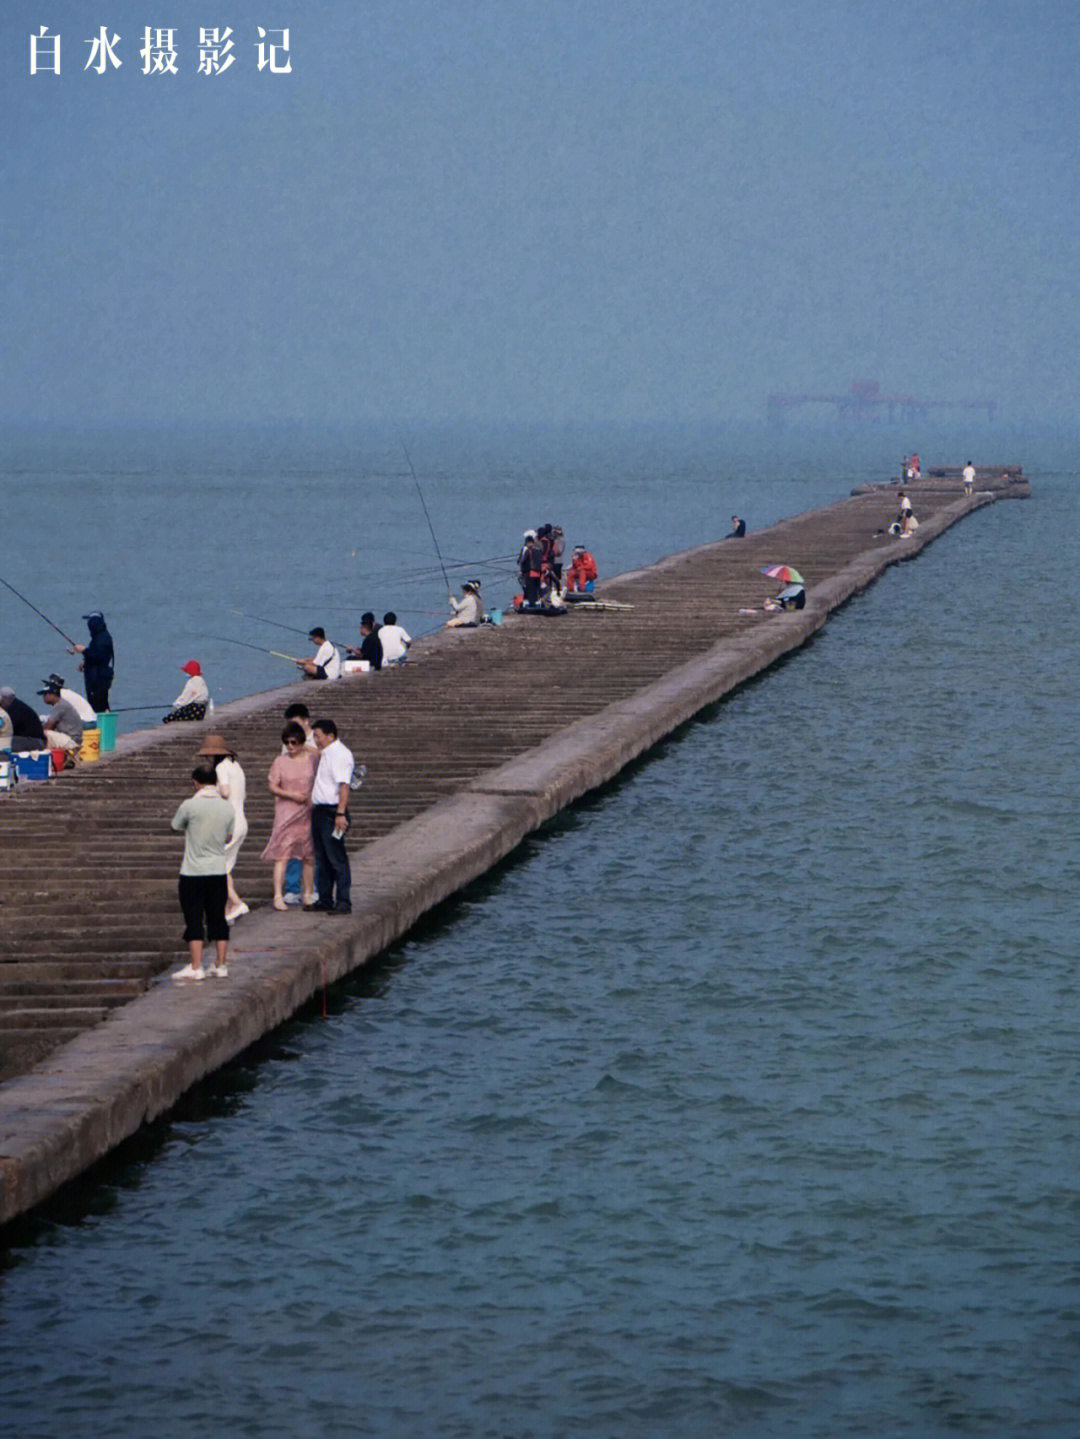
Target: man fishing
column 97, row 663
column 63, row 725
column 325, row 664
column 27, row 731
column 370, row 650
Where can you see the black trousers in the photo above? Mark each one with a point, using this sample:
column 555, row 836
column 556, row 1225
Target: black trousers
column 333, row 873
column 203, row 898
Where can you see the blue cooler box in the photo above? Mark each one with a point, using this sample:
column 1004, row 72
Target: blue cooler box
column 35, row 765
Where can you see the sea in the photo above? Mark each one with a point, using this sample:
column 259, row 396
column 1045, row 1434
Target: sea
column 741, row 1100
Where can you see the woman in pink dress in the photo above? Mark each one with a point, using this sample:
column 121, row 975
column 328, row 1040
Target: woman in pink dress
column 291, row 777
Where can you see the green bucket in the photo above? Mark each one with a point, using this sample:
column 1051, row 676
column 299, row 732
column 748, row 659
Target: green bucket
column 107, row 726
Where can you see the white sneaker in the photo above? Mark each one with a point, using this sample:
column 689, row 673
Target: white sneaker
column 190, row 972
column 219, row 971
column 234, row 914
column 292, row 899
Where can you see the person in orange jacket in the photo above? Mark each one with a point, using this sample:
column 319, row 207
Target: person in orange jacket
column 582, row 575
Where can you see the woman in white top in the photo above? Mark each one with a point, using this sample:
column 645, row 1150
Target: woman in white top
column 467, row 609
column 191, row 702
column 231, row 785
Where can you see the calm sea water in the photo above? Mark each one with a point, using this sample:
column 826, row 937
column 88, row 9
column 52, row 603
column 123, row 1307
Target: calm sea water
column 779, row 1137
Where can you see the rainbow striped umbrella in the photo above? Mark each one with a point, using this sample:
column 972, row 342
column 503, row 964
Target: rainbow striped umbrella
column 784, row 573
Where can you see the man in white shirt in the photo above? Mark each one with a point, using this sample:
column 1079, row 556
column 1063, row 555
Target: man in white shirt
column 969, row 478
column 395, row 638
column 330, row 821
column 325, row 664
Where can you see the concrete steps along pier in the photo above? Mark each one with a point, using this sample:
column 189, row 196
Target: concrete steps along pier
column 466, row 755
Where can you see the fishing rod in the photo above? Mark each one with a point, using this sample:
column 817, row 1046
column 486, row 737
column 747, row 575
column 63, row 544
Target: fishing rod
column 264, row 620
column 261, row 648
column 34, row 607
column 427, row 517
column 294, row 629
column 130, row 709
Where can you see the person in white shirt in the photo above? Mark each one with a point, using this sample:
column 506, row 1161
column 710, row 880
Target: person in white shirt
column 467, row 610
column 191, row 702
column 395, row 640
column 325, row 664
column 330, row 821
column 969, row 478
column 231, row 785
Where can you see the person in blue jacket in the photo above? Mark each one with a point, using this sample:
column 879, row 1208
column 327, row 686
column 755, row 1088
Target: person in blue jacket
column 97, row 661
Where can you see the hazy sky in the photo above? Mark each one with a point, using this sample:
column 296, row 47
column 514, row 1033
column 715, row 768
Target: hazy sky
column 493, row 209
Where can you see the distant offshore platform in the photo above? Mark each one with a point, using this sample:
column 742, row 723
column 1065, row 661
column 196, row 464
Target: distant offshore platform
column 865, row 402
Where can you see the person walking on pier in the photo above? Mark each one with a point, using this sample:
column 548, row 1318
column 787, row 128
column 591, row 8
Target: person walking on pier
column 206, row 822
column 330, row 821
column 969, row 478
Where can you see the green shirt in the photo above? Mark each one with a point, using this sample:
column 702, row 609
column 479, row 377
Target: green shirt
column 207, row 824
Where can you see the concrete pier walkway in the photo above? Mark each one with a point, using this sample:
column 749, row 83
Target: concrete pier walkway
column 479, row 739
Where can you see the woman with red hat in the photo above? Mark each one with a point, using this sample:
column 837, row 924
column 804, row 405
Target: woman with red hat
column 191, row 702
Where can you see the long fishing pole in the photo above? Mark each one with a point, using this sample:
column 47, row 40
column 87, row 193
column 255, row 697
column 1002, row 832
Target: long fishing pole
column 265, row 620
column 427, row 517
column 34, row 607
column 261, row 648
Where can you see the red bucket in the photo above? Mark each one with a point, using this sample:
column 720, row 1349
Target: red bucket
column 59, row 758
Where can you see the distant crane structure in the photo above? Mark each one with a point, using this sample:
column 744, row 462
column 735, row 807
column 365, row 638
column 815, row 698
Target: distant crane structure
column 864, row 401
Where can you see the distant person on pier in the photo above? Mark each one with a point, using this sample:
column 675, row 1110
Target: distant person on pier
column 98, row 661
column 395, row 640
column 27, row 732
column 969, row 478
column 558, row 549
column 191, row 702
column 206, row 822
column 582, row 575
column 325, row 663
column 467, row 610
column 738, row 529
column 531, row 566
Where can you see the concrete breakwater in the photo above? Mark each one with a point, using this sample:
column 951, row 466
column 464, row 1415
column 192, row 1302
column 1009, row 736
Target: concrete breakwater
column 472, row 745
